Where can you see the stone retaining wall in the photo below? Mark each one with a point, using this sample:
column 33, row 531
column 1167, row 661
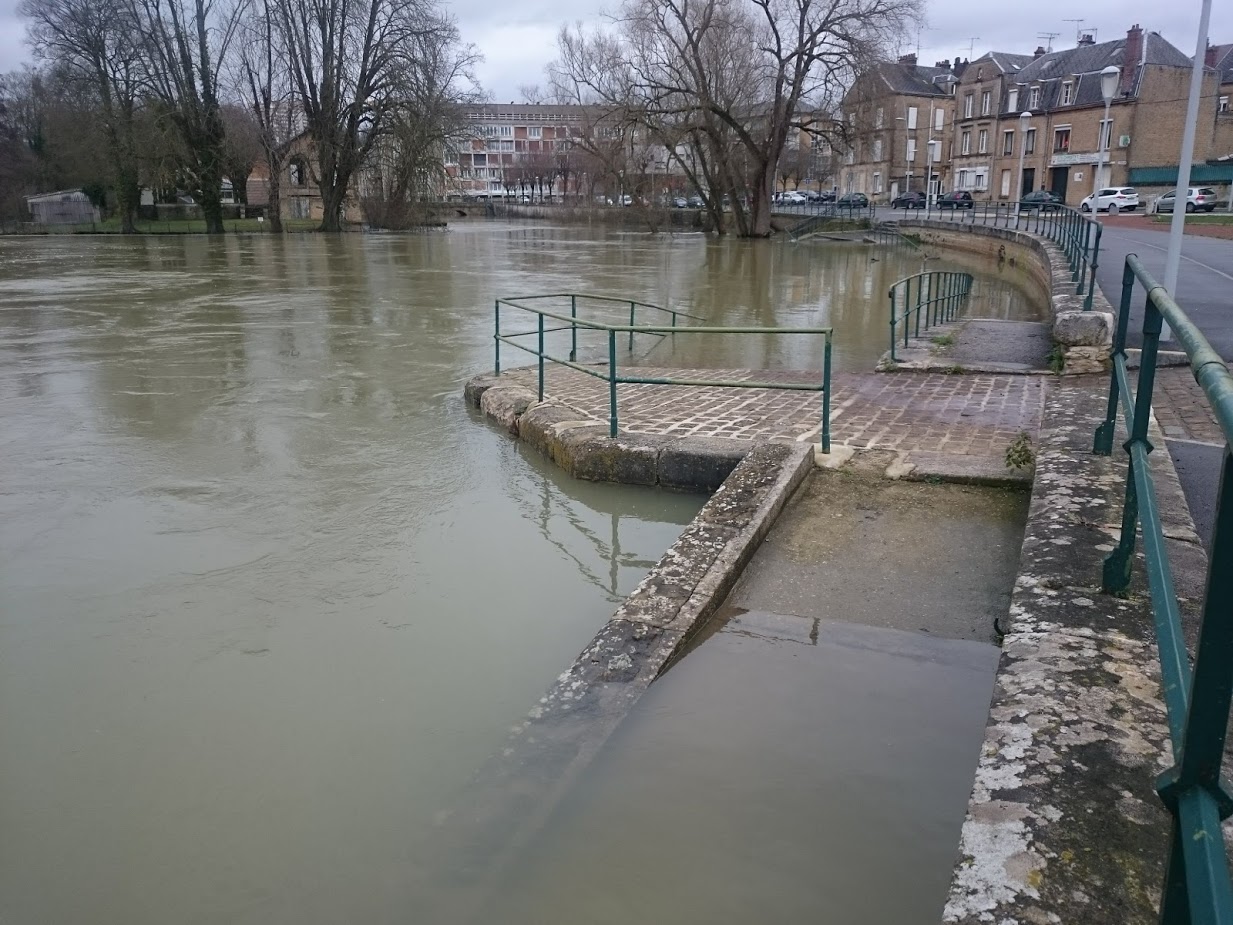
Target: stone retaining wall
column 1084, row 337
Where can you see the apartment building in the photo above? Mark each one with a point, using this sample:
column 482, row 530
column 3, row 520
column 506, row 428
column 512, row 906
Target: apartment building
column 985, row 95
column 512, row 146
column 896, row 118
column 1220, row 59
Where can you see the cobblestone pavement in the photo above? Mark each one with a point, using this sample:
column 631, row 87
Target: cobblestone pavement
column 923, row 414
column 1182, row 409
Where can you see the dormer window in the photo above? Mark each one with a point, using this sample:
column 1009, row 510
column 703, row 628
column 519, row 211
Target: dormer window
column 1012, row 99
column 1068, row 93
column 1034, row 99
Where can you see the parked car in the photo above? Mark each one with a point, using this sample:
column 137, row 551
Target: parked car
column 826, row 196
column 1043, row 200
column 912, row 199
column 792, row 198
column 680, row 202
column 956, row 199
column 852, row 201
column 1112, row 199
column 1198, row 199
column 696, row 202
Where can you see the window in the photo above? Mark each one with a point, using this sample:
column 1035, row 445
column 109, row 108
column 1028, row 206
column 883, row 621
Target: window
column 911, row 156
column 877, row 182
column 982, row 141
column 967, row 106
column 1068, row 93
column 1034, row 100
column 299, row 173
column 535, row 131
column 964, row 182
column 507, row 146
column 1222, row 104
column 911, row 117
column 1005, row 184
column 877, row 118
column 1029, row 142
column 981, row 181
column 1012, row 99
column 507, row 131
column 1008, row 142
column 1061, row 140
column 850, row 156
column 939, row 119
column 488, row 131
column 985, row 102
column 1106, row 133
column 479, row 160
column 877, row 149
column 965, row 143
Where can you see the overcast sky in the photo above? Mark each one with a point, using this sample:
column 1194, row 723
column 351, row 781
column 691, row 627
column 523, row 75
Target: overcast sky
column 518, row 38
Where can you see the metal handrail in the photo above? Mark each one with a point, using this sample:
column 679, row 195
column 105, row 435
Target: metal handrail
column 1197, row 886
column 939, row 295
column 1075, row 233
column 610, row 372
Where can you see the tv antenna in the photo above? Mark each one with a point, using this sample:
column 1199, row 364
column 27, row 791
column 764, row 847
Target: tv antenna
column 972, row 46
column 1048, row 38
column 1078, row 28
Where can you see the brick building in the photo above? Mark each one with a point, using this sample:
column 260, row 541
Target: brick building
column 513, row 146
column 985, row 99
column 896, row 116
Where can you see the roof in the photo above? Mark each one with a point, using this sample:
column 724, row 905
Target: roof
column 913, row 79
column 1224, row 63
column 60, row 195
column 1084, row 63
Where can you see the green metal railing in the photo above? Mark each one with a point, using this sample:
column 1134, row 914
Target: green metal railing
column 610, row 371
column 925, row 300
column 1197, row 887
column 1076, row 234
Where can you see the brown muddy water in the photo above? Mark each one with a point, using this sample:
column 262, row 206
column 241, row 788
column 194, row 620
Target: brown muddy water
column 269, row 593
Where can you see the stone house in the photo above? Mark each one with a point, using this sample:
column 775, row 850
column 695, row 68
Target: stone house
column 896, row 117
column 985, row 98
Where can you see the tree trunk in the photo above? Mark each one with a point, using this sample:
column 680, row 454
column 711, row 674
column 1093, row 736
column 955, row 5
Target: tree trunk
column 273, row 207
column 331, row 206
column 760, row 226
column 128, row 198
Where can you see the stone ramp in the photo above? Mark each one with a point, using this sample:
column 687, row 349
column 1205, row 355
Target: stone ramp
column 976, row 345
column 933, row 423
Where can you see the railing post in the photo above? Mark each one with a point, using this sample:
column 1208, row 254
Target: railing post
column 1094, row 262
column 891, row 296
column 1103, row 444
column 573, row 328
column 631, row 324
column 541, row 356
column 826, row 396
column 1118, row 563
column 496, row 338
column 612, row 384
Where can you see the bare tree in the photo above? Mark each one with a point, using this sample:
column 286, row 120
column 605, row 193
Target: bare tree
column 94, row 42
column 263, row 83
column 242, row 147
column 737, row 76
column 349, row 61
column 185, row 43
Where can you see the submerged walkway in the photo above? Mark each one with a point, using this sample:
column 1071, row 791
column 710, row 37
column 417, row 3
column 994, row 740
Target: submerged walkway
column 933, row 418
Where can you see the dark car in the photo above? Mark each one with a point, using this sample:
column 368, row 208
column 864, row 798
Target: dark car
column 696, row 202
column 956, row 199
column 852, row 201
column 826, row 196
column 912, row 199
column 1043, row 200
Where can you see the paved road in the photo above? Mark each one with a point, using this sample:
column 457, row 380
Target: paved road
column 1205, row 291
column 1204, row 284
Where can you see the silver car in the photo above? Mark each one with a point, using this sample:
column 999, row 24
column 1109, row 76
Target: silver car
column 1198, row 199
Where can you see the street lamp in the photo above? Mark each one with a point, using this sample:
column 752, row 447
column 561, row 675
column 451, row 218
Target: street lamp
column 1109, row 79
column 1025, row 119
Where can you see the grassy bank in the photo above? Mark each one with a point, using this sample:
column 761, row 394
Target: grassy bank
column 173, row 226
column 1210, row 218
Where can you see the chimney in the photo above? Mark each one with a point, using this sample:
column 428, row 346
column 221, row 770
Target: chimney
column 1209, row 59
column 909, row 58
column 1131, row 59
column 1087, row 38
column 1040, row 50
column 944, row 64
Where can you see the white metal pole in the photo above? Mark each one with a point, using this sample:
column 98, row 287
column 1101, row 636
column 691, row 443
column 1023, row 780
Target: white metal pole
column 1177, row 228
column 1101, row 157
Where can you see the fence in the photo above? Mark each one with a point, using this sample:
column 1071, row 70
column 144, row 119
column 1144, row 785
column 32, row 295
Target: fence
column 1197, row 887
column 1077, row 235
column 610, row 371
column 927, row 299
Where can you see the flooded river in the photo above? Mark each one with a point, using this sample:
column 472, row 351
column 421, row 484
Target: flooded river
column 269, row 593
